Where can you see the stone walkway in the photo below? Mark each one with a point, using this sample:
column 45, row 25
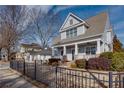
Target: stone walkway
column 12, row 79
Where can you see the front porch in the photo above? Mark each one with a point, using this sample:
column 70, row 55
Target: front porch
column 78, row 50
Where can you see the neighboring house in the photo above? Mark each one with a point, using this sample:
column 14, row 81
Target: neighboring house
column 31, row 52
column 83, row 38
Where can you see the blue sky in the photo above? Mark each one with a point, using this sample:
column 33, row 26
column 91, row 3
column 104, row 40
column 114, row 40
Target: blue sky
column 116, row 14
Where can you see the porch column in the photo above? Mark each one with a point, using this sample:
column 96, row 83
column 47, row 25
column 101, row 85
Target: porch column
column 98, row 47
column 64, row 50
column 76, row 49
column 52, row 51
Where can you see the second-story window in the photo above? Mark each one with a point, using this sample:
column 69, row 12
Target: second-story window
column 71, row 32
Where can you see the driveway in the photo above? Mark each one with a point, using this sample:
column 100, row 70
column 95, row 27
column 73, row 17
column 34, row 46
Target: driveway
column 12, row 79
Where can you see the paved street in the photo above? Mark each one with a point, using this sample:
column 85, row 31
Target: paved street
column 12, row 79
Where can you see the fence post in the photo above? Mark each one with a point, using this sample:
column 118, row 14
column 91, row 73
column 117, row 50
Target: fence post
column 56, row 77
column 35, row 72
column 17, row 65
column 11, row 64
column 110, row 79
column 24, row 67
column 120, row 83
column 123, row 82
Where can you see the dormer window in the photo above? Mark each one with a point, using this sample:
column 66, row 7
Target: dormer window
column 71, row 32
column 71, row 21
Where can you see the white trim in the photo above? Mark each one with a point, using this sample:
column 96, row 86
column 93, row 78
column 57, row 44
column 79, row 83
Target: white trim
column 98, row 47
column 109, row 30
column 76, row 17
column 64, row 50
column 78, row 42
column 76, row 49
column 70, row 14
column 73, row 26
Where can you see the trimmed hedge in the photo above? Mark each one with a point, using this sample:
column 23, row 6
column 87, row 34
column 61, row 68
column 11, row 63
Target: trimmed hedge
column 107, row 55
column 99, row 64
column 118, row 61
column 81, row 63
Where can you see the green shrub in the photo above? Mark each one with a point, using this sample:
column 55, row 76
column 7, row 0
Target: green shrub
column 81, row 63
column 117, row 61
column 107, row 55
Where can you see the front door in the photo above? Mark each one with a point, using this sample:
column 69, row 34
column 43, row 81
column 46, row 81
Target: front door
column 73, row 54
column 61, row 52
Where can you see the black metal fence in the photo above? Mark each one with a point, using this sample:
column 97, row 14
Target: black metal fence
column 62, row 77
column 36, row 71
column 72, row 78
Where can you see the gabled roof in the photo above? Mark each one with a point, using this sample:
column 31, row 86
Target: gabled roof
column 74, row 16
column 33, row 45
column 97, row 27
column 48, row 51
column 42, row 52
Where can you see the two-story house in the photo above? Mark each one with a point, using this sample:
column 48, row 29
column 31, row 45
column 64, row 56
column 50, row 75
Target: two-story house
column 80, row 38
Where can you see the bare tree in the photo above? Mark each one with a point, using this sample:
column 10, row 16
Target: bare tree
column 45, row 26
column 13, row 25
column 0, row 45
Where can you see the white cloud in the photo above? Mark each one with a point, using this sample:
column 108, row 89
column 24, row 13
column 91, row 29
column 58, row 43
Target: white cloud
column 62, row 7
column 59, row 8
column 44, row 8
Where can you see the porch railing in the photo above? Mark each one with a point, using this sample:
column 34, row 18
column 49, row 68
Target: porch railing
column 82, row 56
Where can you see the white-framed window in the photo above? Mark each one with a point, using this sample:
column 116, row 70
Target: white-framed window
column 55, row 52
column 81, row 49
column 91, row 50
column 71, row 32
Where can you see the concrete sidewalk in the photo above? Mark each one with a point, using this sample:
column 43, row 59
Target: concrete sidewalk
column 12, row 79
column 4, row 65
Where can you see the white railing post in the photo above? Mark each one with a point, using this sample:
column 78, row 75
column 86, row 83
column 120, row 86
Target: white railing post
column 52, row 51
column 98, row 47
column 64, row 50
column 76, row 50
